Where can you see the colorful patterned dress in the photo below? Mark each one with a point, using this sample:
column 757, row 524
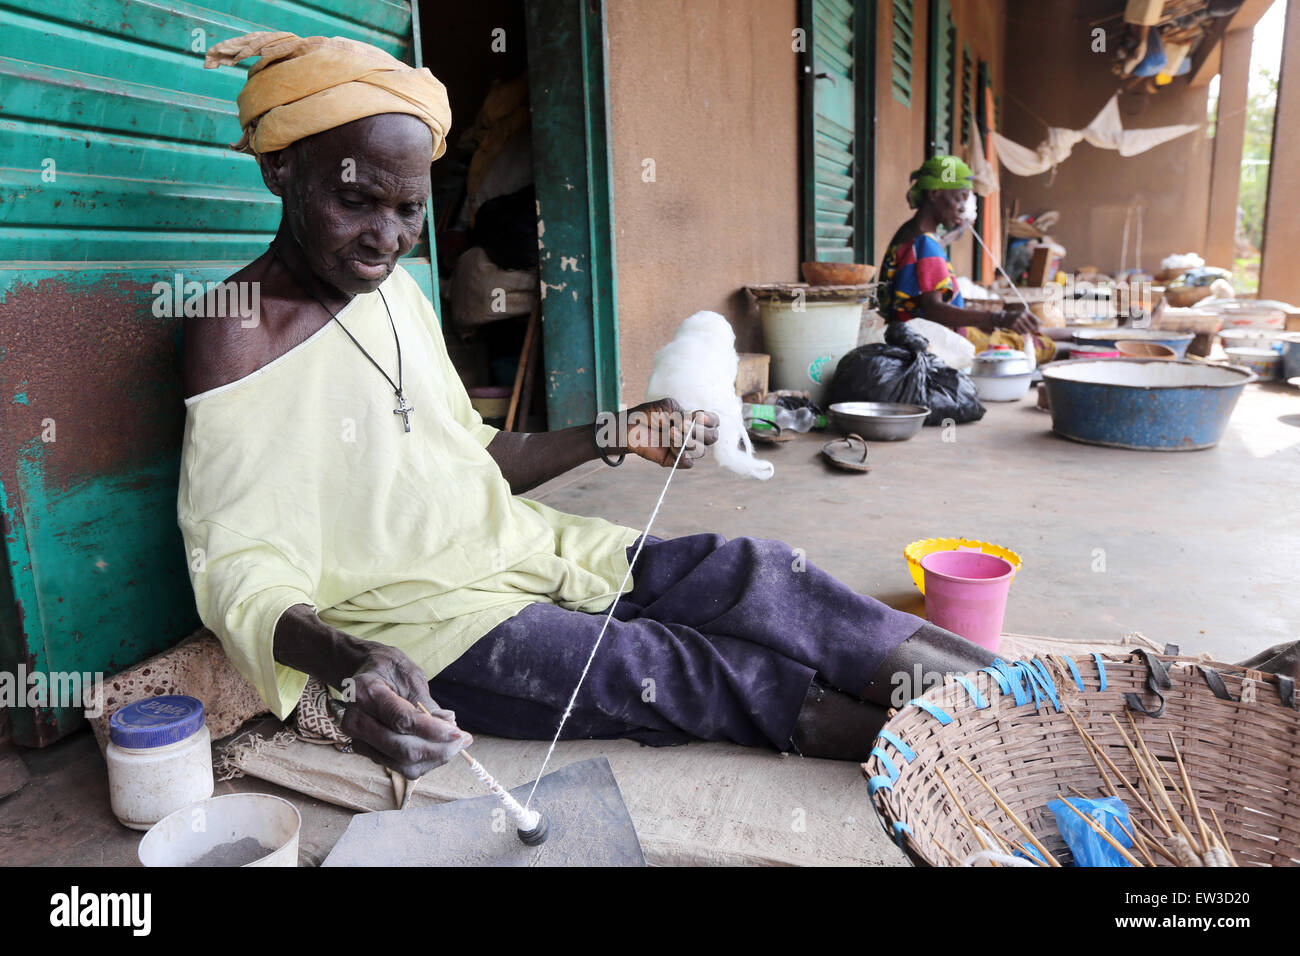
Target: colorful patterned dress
column 912, row 269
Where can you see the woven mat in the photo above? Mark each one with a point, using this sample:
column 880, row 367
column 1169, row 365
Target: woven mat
column 702, row 804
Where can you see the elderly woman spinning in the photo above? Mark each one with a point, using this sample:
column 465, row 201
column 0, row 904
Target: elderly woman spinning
column 362, row 529
column 917, row 279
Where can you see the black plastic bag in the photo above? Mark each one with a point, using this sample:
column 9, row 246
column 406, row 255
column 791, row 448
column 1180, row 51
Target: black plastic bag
column 902, row 370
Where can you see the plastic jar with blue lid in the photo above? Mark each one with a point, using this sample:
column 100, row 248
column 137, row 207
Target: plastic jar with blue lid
column 159, row 759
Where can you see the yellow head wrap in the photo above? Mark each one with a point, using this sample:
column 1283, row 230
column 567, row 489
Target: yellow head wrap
column 305, row 85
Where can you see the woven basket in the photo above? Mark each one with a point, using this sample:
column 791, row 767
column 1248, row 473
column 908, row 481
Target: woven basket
column 1238, row 733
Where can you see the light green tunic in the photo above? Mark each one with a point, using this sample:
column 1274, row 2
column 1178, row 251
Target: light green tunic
column 299, row 486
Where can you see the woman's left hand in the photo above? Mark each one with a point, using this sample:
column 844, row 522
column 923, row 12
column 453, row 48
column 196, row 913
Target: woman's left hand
column 656, row 430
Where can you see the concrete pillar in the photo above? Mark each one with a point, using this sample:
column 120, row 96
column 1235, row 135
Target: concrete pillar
column 1278, row 276
column 1229, row 137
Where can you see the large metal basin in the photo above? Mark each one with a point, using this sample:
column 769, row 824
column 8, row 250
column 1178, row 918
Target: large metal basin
column 879, row 421
column 1147, row 404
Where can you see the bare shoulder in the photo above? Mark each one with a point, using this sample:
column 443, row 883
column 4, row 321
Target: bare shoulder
column 226, row 337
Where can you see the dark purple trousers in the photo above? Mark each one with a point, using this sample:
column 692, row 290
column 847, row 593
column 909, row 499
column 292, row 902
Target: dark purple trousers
column 718, row 640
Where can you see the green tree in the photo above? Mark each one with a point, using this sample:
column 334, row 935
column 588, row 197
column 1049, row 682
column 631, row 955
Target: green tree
column 1255, row 157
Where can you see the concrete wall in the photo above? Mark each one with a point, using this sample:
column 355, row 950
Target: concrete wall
column 708, row 89
column 1054, row 74
column 900, row 130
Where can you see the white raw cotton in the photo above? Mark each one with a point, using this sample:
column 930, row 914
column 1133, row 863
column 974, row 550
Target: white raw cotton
column 698, row 369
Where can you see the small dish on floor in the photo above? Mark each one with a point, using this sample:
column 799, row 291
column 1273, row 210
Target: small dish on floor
column 843, row 453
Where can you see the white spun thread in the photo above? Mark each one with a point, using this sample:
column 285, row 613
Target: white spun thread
column 997, row 265
column 603, row 627
column 525, row 819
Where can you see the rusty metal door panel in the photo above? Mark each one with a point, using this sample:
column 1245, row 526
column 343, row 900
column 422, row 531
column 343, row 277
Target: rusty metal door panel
column 91, row 415
column 115, row 174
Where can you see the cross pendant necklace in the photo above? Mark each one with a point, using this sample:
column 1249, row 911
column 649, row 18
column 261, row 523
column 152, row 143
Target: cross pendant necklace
column 402, row 408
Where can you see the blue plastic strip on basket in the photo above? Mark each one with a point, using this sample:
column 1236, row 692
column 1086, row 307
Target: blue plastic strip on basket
column 879, row 782
column 1023, row 683
column 1031, row 682
column 936, row 712
column 899, row 829
column 1042, row 677
column 1078, row 678
column 998, row 676
column 1101, row 670
column 980, row 702
column 907, row 752
column 888, row 764
column 1014, row 682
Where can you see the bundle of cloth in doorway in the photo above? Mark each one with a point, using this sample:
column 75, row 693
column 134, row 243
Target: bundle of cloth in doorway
column 1105, row 132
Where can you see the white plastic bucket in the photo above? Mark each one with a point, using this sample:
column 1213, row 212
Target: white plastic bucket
column 807, row 340
column 183, row 837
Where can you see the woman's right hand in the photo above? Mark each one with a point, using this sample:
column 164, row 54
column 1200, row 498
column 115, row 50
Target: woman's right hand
column 381, row 716
column 1026, row 323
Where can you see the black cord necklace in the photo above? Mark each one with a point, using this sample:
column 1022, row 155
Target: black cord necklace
column 402, row 408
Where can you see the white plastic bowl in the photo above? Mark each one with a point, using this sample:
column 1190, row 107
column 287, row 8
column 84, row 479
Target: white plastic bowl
column 184, row 836
column 1002, row 388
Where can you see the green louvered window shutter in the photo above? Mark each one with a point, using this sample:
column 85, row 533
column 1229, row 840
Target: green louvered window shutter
column 967, row 92
column 901, row 71
column 943, row 69
column 838, row 93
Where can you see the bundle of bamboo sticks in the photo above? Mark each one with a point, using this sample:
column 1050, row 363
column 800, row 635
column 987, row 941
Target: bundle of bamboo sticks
column 1181, row 843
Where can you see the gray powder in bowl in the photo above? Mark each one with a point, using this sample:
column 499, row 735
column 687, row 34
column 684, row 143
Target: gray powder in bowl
column 237, row 853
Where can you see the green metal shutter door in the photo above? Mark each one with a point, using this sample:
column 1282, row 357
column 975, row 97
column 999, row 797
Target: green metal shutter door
column 836, row 174
column 942, row 69
column 114, row 93
column 116, row 175
column 982, row 120
column 901, row 69
column 967, row 92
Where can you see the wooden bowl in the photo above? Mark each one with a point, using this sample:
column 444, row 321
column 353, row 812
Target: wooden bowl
column 1182, row 297
column 1146, row 350
column 837, row 273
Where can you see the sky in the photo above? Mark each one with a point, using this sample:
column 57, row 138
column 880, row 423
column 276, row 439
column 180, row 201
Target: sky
column 1265, row 51
column 1266, row 47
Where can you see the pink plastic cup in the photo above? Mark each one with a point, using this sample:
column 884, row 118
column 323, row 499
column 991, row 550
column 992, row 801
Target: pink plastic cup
column 966, row 592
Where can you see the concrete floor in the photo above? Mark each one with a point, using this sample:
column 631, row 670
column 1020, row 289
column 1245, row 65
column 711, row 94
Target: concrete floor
column 1197, row 548
column 62, row 817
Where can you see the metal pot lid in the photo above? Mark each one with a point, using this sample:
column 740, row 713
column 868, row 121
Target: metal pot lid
column 1000, row 362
